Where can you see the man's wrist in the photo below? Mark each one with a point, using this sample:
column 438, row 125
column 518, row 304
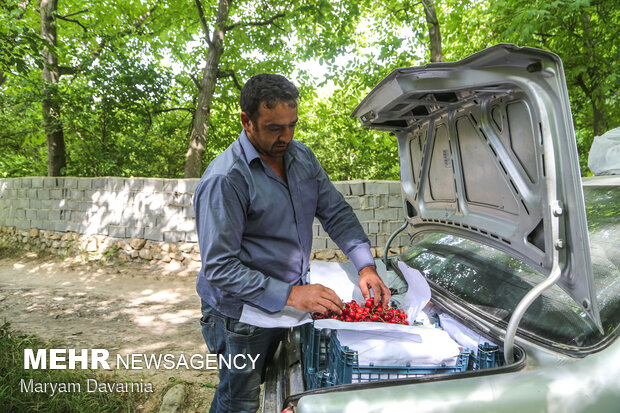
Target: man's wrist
column 368, row 268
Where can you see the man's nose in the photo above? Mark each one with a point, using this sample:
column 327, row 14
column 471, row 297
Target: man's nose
column 287, row 134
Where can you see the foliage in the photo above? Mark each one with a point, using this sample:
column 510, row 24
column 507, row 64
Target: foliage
column 129, row 91
column 584, row 33
column 12, row 372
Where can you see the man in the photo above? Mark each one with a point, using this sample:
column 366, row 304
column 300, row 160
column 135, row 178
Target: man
column 254, row 210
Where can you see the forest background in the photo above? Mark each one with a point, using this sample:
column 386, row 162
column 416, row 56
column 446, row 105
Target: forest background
column 151, row 87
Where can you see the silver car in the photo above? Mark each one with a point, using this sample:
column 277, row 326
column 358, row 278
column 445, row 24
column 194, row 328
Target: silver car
column 516, row 248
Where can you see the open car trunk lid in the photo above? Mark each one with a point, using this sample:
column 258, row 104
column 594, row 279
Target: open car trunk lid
column 487, row 151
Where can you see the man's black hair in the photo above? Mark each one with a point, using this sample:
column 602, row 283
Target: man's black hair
column 268, row 88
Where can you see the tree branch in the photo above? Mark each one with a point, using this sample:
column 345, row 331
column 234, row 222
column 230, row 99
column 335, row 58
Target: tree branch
column 229, row 73
column 263, row 23
column 72, row 21
column 174, row 109
column 72, row 14
column 203, row 22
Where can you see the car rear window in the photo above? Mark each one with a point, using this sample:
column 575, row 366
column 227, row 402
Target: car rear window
column 495, row 282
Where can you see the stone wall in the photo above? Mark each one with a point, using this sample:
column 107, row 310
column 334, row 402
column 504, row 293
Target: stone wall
column 153, row 219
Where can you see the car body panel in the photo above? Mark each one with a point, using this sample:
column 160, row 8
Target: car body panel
column 487, row 151
column 570, row 385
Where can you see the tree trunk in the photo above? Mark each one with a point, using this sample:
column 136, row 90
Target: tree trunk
column 434, row 34
column 51, row 108
column 198, row 137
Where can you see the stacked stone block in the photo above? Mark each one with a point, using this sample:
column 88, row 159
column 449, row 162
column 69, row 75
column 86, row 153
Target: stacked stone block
column 96, row 215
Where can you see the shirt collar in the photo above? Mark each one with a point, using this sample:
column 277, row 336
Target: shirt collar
column 250, row 151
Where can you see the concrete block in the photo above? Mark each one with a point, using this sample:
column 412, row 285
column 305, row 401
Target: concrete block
column 26, row 182
column 61, row 226
column 54, row 215
column 153, row 185
column 99, row 183
column 153, row 234
column 42, row 215
column 134, row 232
column 191, row 237
column 395, row 201
column 85, row 206
column 31, row 193
column 75, row 194
column 365, row 214
column 84, row 183
column 31, row 214
column 356, row 188
column 37, row 182
column 395, row 188
column 72, row 226
column 180, row 199
column 117, row 231
column 22, row 193
column 56, row 194
column 373, row 240
column 43, row 194
column 35, row 204
column 373, row 227
column 187, row 186
column 36, row 224
column 386, row 214
column 114, row 184
column 315, row 229
column 50, row 182
column 23, row 203
column 319, row 243
column 46, row 225
column 342, row 187
column 22, row 223
column 174, row 236
column 331, row 245
column 78, row 216
column 376, row 188
column 134, row 184
column 71, row 183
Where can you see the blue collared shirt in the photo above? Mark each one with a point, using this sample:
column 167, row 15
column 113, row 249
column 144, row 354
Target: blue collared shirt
column 255, row 230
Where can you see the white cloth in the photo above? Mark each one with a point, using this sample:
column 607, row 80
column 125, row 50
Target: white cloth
column 465, row 336
column 420, row 346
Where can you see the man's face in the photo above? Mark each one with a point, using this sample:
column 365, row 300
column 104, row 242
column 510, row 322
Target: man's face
column 273, row 129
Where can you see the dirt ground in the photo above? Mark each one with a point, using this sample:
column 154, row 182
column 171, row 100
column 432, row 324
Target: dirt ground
column 124, row 308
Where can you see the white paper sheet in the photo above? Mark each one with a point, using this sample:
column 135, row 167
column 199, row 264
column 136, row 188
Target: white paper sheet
column 342, row 278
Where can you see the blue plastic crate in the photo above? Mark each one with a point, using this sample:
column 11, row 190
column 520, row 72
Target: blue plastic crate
column 343, row 366
column 317, row 379
column 314, row 346
column 488, row 356
column 314, row 349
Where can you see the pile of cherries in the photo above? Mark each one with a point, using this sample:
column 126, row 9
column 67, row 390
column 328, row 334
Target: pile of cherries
column 353, row 312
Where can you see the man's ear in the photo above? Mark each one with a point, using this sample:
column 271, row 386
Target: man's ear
column 245, row 120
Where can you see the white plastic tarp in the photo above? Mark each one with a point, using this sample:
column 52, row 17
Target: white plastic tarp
column 604, row 157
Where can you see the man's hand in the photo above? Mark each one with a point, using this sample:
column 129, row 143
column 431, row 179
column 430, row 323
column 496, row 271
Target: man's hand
column 370, row 279
column 314, row 297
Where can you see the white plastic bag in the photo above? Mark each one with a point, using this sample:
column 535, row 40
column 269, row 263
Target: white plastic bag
column 604, row 157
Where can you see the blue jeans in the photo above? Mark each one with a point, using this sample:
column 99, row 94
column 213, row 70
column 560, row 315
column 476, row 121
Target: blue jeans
column 239, row 388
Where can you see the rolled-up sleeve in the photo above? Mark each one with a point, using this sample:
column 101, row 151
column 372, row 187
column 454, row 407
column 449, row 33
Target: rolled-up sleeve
column 220, row 219
column 341, row 223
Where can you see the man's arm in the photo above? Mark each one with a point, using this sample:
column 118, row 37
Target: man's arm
column 220, row 220
column 343, row 227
